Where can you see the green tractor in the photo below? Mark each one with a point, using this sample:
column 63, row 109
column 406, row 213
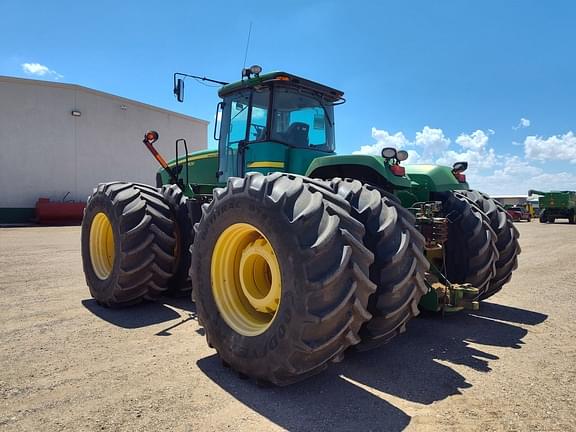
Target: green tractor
column 295, row 254
column 556, row 205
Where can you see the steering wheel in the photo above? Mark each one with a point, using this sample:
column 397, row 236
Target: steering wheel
column 260, row 131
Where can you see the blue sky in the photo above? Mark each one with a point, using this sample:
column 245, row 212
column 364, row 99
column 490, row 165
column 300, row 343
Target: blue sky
column 488, row 81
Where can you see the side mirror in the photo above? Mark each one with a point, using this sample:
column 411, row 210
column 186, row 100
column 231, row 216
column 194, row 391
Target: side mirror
column 219, row 108
column 179, row 90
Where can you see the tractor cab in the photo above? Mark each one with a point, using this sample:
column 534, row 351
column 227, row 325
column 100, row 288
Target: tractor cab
column 277, row 122
column 274, row 122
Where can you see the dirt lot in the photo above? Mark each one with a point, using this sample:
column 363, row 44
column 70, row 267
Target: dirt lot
column 68, row 364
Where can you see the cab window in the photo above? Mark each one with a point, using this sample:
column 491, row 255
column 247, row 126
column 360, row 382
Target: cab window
column 302, row 120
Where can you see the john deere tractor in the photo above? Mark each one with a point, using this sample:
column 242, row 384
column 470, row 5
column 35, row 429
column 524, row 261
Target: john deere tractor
column 295, row 254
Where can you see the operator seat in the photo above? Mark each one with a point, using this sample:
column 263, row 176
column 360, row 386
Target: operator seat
column 297, row 134
column 261, row 136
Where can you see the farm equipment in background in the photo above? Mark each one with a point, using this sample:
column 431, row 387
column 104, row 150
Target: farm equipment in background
column 556, row 205
column 295, row 254
column 61, row 212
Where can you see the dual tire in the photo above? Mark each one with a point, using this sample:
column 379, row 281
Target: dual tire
column 312, row 302
column 482, row 246
column 136, row 243
column 350, row 262
column 399, row 265
column 128, row 244
column 505, row 236
column 179, row 284
column 289, row 272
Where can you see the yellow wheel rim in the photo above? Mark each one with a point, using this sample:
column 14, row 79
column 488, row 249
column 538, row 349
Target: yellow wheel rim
column 246, row 281
column 102, row 250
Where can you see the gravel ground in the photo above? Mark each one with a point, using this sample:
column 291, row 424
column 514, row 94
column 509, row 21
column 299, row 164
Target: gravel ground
column 68, row 364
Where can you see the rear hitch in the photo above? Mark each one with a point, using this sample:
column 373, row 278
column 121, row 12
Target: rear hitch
column 447, row 298
column 443, row 296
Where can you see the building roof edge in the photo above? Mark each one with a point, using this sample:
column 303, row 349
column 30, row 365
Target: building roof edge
column 97, row 92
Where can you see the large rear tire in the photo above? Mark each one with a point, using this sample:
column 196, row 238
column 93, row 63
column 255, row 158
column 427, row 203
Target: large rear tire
column 180, row 283
column 279, row 284
column 506, row 241
column 399, row 263
column 127, row 243
column 470, row 251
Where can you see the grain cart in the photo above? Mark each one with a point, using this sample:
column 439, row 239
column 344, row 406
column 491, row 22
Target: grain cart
column 294, row 253
column 556, row 205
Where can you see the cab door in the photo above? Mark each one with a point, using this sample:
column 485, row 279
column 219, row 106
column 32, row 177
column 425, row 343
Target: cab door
column 244, row 122
column 233, row 132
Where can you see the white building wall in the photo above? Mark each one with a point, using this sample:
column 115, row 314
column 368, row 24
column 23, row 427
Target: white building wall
column 511, row 200
column 47, row 152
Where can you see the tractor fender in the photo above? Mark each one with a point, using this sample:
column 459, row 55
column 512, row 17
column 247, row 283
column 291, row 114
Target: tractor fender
column 368, row 169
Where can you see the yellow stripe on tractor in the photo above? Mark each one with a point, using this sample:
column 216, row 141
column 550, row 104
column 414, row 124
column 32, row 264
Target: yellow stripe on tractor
column 182, row 161
column 266, row 164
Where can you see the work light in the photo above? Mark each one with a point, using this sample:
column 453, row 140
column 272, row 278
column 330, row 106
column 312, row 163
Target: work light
column 402, row 155
column 388, row 152
column 255, row 69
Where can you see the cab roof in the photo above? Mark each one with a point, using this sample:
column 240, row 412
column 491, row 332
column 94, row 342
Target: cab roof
column 282, row 77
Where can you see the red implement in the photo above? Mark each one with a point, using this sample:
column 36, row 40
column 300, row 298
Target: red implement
column 59, row 213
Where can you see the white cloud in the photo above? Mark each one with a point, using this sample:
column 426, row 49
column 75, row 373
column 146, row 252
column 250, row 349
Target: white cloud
column 523, row 123
column 477, row 140
column 434, row 147
column 477, row 159
column 433, row 141
column 475, row 152
column 554, row 181
column 40, row 70
column 556, row 147
column 414, row 157
column 383, row 139
column 516, row 176
column 488, row 171
column 397, row 140
column 514, row 180
column 514, row 165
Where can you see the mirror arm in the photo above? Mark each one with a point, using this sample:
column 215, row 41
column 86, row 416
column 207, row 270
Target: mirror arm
column 183, row 75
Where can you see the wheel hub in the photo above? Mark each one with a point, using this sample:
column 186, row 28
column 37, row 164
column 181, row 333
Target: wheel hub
column 260, row 286
column 246, row 280
column 102, row 251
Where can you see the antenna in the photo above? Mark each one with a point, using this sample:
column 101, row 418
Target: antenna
column 247, row 45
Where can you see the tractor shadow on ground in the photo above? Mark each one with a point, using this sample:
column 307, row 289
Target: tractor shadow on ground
column 413, row 367
column 145, row 314
column 323, row 403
